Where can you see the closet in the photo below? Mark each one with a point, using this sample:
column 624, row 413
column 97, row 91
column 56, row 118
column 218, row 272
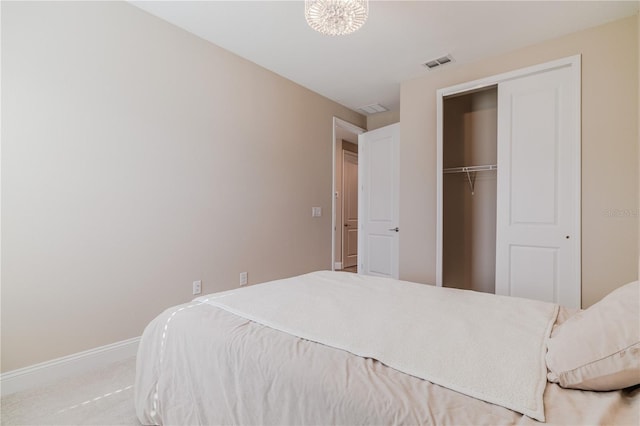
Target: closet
column 508, row 184
column 469, row 190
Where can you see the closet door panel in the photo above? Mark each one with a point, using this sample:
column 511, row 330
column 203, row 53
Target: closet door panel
column 534, row 148
column 537, row 200
column 533, row 283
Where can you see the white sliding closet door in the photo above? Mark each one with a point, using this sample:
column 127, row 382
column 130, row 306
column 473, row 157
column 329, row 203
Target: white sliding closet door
column 538, row 199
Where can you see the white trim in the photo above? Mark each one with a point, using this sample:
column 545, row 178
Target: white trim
column 348, row 126
column 361, row 155
column 337, row 266
column 576, row 67
column 510, row 75
column 572, row 61
column 354, row 129
column 59, row 368
column 439, row 178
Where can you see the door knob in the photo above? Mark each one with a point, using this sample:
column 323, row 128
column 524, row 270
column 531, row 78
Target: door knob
column 396, row 229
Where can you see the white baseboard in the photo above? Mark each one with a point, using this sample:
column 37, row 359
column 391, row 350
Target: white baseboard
column 337, row 266
column 59, row 368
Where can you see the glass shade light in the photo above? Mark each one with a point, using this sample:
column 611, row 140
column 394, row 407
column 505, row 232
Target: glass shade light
column 336, row 17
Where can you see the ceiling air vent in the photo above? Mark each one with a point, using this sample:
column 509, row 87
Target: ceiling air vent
column 437, row 62
column 372, row 109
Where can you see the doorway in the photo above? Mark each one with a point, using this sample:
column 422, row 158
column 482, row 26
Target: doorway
column 344, row 245
column 378, row 199
column 349, row 207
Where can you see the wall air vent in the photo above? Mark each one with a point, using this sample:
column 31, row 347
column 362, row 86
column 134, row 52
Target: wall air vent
column 437, row 62
column 372, row 109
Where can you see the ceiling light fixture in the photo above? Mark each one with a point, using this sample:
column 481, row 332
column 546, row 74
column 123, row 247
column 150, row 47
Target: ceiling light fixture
column 336, row 17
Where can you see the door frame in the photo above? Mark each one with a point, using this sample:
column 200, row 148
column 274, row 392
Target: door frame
column 574, row 62
column 337, row 122
column 346, row 154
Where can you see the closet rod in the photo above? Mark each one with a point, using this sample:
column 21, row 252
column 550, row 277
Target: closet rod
column 468, row 169
column 471, row 173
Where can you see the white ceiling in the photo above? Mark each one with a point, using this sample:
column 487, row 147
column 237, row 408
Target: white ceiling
column 368, row 66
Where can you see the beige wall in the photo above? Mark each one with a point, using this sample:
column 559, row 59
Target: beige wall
column 381, row 119
column 609, row 153
column 136, row 159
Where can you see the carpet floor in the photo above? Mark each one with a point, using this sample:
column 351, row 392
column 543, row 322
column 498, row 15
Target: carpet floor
column 100, row 397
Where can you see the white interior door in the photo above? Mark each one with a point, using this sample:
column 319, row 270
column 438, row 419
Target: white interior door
column 538, row 200
column 379, row 172
column 350, row 208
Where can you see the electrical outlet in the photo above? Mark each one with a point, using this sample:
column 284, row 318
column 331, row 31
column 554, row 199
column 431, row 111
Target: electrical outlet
column 197, row 287
column 243, row 278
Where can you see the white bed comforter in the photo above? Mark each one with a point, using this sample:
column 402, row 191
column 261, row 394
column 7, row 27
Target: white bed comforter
column 485, row 346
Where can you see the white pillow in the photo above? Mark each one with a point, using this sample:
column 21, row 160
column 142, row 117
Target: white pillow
column 599, row 348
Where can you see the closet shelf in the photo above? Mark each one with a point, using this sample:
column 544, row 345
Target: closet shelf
column 471, row 173
column 468, row 169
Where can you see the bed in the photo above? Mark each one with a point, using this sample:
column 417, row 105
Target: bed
column 344, row 349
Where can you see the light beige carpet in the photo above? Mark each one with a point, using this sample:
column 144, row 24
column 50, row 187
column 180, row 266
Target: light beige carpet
column 100, row 397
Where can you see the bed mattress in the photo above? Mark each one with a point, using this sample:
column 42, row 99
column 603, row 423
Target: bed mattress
column 199, row 364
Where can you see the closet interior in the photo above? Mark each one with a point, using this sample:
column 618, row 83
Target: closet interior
column 469, row 164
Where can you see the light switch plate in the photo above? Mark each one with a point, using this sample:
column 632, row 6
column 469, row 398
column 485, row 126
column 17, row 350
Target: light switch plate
column 316, row 211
